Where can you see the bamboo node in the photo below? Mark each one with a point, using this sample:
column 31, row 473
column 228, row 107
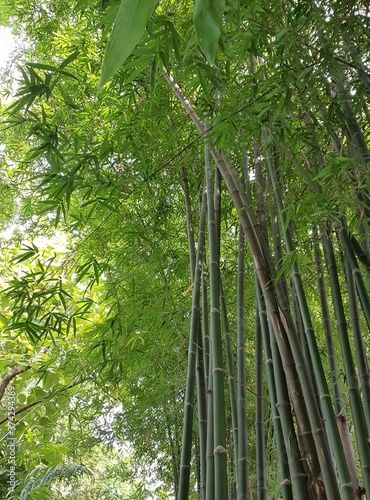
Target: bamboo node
column 286, row 482
column 219, row 449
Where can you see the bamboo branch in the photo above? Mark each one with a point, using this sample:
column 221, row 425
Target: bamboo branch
column 39, row 401
column 12, row 373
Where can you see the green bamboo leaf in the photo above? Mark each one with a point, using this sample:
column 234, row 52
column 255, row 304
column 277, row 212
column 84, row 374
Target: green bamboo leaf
column 287, row 265
column 208, row 25
column 128, row 29
column 69, row 59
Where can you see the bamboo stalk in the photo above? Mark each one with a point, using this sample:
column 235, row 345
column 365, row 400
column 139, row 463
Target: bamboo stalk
column 205, row 323
column 337, row 395
column 278, row 313
column 360, row 350
column 242, row 448
column 262, row 335
column 200, row 376
column 360, row 285
column 282, row 419
column 332, row 358
column 220, row 455
column 259, row 415
column 361, row 254
column 328, row 475
column 192, row 355
column 210, row 474
column 202, row 416
column 230, row 374
column 351, row 377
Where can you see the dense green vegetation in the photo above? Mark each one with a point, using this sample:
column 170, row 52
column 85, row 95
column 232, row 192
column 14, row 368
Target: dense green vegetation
column 185, row 262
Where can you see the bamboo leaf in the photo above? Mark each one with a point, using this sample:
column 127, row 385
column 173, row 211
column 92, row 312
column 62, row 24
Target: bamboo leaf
column 208, row 25
column 287, row 265
column 128, row 29
column 69, row 59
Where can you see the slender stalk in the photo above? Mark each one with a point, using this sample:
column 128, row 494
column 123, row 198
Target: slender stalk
column 242, row 448
column 200, row 376
column 314, row 471
column 332, row 358
column 278, row 313
column 334, row 374
column 192, row 355
column 348, row 449
column 210, row 474
column 259, row 413
column 202, row 415
column 360, row 350
column 220, row 455
column 360, row 285
column 205, row 323
column 230, row 373
column 351, row 377
column 361, row 255
column 285, row 434
column 261, row 187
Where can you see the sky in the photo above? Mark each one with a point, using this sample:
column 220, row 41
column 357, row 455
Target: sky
column 7, row 44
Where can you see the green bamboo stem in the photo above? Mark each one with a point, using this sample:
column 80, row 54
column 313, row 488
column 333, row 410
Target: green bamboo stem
column 349, row 452
column 360, row 285
column 278, row 314
column 351, row 377
column 278, row 250
column 242, row 421
column 328, row 474
column 210, row 473
column 262, row 337
column 259, row 415
column 361, row 255
column 205, row 323
column 200, row 376
column 332, row 358
column 220, row 455
column 217, row 209
column 360, row 350
column 202, row 417
column 282, row 419
column 334, row 374
column 364, row 254
column 230, row 372
column 192, row 355
column 261, row 188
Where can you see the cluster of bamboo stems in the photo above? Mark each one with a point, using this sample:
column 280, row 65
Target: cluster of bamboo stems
column 317, row 454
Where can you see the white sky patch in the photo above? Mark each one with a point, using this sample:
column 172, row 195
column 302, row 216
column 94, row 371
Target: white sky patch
column 7, row 44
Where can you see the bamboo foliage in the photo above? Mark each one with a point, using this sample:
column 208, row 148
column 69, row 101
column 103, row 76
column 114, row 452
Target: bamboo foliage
column 275, row 308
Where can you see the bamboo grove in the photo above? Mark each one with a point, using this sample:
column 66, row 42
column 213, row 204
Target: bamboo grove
column 219, row 207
